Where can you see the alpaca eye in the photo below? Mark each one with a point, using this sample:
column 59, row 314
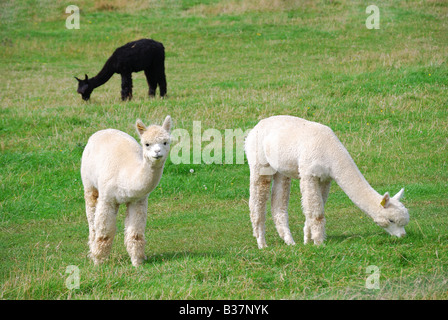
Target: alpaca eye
column 391, row 221
column 147, row 144
column 164, row 143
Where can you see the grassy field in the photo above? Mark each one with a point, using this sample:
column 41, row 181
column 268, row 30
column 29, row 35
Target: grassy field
column 229, row 64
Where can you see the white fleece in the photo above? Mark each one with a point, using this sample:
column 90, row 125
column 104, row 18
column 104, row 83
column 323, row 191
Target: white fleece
column 283, row 147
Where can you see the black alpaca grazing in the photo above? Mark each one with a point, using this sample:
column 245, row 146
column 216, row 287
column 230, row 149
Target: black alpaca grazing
column 145, row 54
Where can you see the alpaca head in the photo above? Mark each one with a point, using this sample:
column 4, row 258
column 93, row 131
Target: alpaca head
column 84, row 88
column 155, row 140
column 393, row 216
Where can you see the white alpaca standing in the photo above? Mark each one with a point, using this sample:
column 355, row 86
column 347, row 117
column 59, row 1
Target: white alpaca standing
column 115, row 169
column 282, row 148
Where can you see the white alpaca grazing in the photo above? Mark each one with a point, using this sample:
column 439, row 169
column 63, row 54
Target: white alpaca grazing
column 282, row 148
column 116, row 170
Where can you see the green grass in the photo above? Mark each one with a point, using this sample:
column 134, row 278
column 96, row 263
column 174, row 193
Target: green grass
column 229, row 64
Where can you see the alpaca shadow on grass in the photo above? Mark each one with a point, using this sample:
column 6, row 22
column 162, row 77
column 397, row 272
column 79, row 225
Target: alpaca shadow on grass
column 366, row 237
column 161, row 258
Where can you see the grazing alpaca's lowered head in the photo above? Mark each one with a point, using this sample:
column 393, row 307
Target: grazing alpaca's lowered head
column 84, row 89
column 282, row 148
column 115, row 170
column 144, row 54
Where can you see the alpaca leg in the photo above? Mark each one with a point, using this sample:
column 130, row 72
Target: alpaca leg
column 152, row 83
column 307, row 231
column 135, row 224
column 279, row 205
column 313, row 208
column 259, row 193
column 162, row 82
column 105, row 227
column 126, row 86
column 91, row 198
column 325, row 190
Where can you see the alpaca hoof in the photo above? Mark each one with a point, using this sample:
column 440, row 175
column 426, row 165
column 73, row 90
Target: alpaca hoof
column 261, row 243
column 136, row 262
column 289, row 240
column 97, row 261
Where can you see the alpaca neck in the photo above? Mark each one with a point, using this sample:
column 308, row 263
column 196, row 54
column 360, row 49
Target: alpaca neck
column 353, row 183
column 103, row 76
column 149, row 175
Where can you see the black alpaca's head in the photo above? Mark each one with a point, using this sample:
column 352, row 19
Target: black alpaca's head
column 84, row 88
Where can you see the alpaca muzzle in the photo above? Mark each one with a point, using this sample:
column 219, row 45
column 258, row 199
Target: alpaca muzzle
column 396, row 231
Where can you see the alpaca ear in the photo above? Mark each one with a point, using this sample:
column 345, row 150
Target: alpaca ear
column 167, row 124
column 399, row 195
column 87, row 78
column 141, row 128
column 77, row 79
column 385, row 201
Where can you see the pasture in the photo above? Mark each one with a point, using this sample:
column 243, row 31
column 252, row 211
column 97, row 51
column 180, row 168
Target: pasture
column 229, row 64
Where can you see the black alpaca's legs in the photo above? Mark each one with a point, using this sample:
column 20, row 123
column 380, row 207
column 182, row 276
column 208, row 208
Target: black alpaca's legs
column 152, row 83
column 126, row 86
column 162, row 84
